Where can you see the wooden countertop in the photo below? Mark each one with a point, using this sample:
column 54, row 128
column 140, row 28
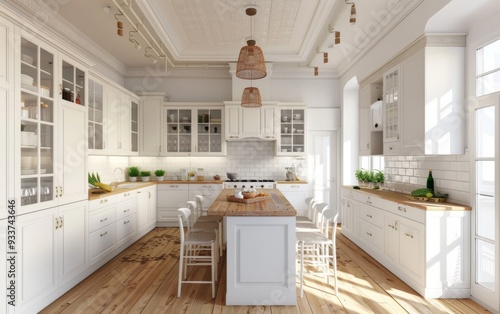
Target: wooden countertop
column 291, row 182
column 278, row 205
column 403, row 199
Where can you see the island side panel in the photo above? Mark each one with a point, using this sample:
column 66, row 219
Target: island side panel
column 260, row 261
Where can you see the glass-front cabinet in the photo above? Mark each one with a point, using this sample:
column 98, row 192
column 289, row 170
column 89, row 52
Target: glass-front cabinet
column 37, row 124
column 134, row 126
column 96, row 115
column 292, row 131
column 391, row 111
column 193, row 131
column 52, row 131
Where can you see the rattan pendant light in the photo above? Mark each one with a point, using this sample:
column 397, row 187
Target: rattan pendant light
column 251, row 64
column 251, row 98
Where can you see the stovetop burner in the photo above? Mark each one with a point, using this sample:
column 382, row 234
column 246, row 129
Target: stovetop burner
column 249, row 180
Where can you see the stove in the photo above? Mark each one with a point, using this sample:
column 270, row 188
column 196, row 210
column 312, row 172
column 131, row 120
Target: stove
column 250, row 183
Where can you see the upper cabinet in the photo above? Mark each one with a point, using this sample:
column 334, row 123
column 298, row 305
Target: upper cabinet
column 424, row 102
column 252, row 123
column 193, row 129
column 113, row 119
column 292, row 130
column 52, row 127
column 370, row 119
column 151, row 130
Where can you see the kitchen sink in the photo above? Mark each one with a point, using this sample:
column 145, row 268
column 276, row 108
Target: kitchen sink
column 131, row 185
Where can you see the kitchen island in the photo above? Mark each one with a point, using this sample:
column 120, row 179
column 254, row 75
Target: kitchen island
column 260, row 249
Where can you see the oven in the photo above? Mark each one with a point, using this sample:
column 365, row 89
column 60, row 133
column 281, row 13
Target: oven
column 249, row 184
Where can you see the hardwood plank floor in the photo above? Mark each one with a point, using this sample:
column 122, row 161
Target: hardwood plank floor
column 143, row 279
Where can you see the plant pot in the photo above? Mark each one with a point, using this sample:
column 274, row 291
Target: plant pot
column 144, row 179
column 159, row 178
column 132, row 179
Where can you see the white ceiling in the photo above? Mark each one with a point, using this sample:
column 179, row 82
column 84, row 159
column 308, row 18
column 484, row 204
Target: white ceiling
column 211, row 32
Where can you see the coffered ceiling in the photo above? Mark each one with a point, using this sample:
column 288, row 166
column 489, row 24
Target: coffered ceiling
column 210, row 33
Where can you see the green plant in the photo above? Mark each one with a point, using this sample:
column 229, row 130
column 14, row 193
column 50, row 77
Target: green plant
column 369, row 176
column 359, row 174
column 133, row 171
column 159, row 173
column 379, row 176
column 145, row 173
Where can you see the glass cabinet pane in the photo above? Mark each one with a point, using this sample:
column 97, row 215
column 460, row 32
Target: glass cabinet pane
column 134, row 127
column 37, row 124
column 178, row 130
column 73, row 84
column 95, row 114
column 292, row 130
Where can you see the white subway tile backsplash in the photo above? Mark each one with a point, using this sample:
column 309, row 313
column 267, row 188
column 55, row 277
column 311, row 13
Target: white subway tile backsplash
column 451, row 174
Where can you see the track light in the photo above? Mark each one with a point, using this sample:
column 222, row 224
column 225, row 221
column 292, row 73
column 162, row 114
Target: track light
column 147, row 54
column 325, row 55
column 119, row 24
column 315, row 70
column 336, row 35
column 352, row 18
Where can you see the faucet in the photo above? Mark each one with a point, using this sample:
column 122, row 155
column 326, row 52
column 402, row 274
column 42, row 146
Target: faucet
column 115, row 183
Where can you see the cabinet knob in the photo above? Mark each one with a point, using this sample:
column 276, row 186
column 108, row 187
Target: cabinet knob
column 103, row 234
column 402, row 209
column 103, row 201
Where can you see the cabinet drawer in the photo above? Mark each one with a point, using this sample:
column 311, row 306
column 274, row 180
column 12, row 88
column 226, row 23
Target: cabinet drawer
column 172, row 198
column 125, row 208
column 167, row 215
column 173, row 187
column 125, row 196
column 372, row 234
column 102, row 202
column 102, row 241
column 372, row 215
column 408, row 212
column 125, row 227
column 101, row 217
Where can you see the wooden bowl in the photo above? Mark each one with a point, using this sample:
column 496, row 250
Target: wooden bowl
column 249, row 194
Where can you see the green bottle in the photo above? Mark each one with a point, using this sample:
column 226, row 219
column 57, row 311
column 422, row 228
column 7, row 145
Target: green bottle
column 430, row 181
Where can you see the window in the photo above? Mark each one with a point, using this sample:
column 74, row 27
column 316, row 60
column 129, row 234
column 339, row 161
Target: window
column 488, row 69
column 371, row 163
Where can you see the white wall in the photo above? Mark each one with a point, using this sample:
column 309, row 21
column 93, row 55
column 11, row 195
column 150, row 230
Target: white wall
column 317, row 93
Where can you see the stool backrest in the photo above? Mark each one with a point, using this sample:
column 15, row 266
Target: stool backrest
column 184, row 214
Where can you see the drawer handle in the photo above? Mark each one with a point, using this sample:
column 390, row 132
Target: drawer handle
column 295, row 186
column 369, row 202
column 174, row 186
column 103, row 220
column 409, row 235
column 401, row 209
column 368, row 233
column 126, row 222
column 103, row 234
column 104, row 201
column 369, row 216
column 126, row 210
column 126, row 194
column 391, row 226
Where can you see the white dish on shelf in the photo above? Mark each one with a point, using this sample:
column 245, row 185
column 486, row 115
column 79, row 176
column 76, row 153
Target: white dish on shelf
column 300, row 131
column 26, row 58
column 29, row 87
column 28, row 171
column 27, row 78
column 44, row 91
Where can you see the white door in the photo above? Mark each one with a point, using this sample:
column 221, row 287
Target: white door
column 322, row 165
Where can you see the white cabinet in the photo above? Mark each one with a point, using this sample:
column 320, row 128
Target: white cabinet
column 208, row 191
column 292, row 130
column 170, row 197
column 392, row 111
column 151, row 123
column 424, row 99
column 102, row 216
column 118, row 117
column 427, row 249
column 146, row 210
column 96, row 116
column 53, row 130
column 257, row 123
column 126, row 218
column 195, row 130
column 296, row 194
column 52, row 251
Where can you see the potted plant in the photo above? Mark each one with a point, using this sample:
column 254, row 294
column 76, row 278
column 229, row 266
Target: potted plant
column 369, row 177
column 159, row 174
column 379, row 179
column 145, row 175
column 359, row 174
column 133, row 173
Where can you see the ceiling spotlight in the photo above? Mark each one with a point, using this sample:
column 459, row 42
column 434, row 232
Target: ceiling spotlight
column 147, row 54
column 336, row 35
column 325, row 55
column 352, row 18
column 119, row 24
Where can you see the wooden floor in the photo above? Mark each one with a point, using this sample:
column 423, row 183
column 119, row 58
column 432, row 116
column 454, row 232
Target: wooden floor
column 143, row 279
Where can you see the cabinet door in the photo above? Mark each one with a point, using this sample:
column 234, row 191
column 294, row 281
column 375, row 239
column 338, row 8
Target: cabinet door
column 72, row 181
column 72, row 241
column 124, row 119
column 170, row 198
column 411, row 248
column 292, row 131
column 250, row 122
column 152, row 205
column 392, row 111
column 178, row 131
column 151, row 125
column 96, row 116
column 268, row 117
column 296, row 195
column 3, row 153
column 142, row 209
column 391, row 237
column 209, row 131
column 37, row 267
column 232, row 122
column 112, row 124
column 134, row 126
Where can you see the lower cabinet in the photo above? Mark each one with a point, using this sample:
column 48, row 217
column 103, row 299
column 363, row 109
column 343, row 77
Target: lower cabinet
column 295, row 193
column 126, row 220
column 427, row 249
column 102, row 217
column 51, row 251
column 146, row 210
column 171, row 197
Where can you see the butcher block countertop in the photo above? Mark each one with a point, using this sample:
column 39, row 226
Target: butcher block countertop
column 278, row 205
column 404, row 199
